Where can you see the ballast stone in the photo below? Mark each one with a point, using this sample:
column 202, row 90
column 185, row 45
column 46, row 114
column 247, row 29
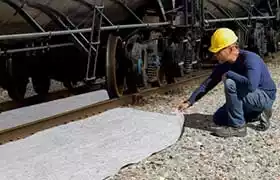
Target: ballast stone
column 91, row 149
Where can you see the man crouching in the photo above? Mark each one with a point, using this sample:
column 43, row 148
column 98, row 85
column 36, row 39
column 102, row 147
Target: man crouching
column 249, row 89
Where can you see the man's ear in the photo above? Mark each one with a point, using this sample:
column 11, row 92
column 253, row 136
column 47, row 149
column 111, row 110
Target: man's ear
column 232, row 48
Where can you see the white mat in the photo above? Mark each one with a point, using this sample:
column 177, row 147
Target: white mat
column 29, row 114
column 92, row 149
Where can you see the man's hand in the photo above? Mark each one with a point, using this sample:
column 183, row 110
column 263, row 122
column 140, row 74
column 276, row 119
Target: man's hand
column 183, row 105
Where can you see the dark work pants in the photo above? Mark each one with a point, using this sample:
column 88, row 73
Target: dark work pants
column 240, row 105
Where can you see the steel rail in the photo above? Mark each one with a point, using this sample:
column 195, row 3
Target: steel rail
column 25, row 130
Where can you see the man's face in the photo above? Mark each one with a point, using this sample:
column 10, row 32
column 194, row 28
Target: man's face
column 228, row 54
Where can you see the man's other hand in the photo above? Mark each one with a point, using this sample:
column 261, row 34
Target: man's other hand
column 224, row 77
column 183, row 105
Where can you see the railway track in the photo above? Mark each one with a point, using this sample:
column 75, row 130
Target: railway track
column 22, row 131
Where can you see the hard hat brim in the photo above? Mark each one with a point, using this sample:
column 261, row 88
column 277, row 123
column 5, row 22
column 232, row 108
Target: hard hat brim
column 214, row 50
column 217, row 49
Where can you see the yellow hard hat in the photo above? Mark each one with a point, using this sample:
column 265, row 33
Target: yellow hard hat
column 222, row 37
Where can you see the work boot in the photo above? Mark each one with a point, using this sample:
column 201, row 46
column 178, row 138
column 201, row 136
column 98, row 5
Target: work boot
column 264, row 119
column 226, row 131
column 252, row 117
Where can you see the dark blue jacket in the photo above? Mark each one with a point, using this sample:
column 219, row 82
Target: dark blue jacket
column 249, row 70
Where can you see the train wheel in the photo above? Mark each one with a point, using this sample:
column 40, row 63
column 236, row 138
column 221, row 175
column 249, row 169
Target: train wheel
column 115, row 69
column 41, row 85
column 17, row 82
column 136, row 55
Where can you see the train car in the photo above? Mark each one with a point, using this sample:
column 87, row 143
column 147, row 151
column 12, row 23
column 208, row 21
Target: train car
column 126, row 44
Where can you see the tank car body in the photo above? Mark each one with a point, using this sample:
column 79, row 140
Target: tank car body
column 78, row 11
column 238, row 8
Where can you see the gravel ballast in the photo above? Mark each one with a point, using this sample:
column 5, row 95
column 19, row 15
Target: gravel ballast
column 54, row 86
column 199, row 155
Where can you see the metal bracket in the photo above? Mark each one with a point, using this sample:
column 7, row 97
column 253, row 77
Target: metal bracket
column 190, row 12
column 269, row 7
column 162, row 9
column 58, row 18
column 94, row 41
column 211, row 14
column 66, row 23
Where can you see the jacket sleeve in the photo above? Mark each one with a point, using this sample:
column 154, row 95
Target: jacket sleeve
column 253, row 75
column 209, row 83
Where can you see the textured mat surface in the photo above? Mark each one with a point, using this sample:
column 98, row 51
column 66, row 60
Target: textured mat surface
column 92, row 149
column 29, row 114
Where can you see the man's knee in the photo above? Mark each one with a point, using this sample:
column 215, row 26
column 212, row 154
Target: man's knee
column 257, row 101
column 230, row 85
